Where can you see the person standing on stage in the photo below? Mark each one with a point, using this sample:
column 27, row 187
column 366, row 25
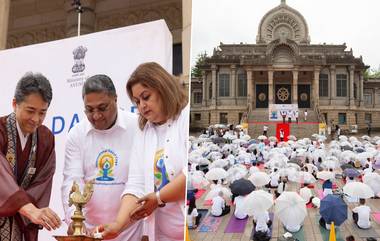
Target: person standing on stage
column 305, row 115
column 27, row 163
column 282, row 135
column 265, row 130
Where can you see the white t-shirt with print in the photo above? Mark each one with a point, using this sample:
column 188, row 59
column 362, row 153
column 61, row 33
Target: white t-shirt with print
column 170, row 217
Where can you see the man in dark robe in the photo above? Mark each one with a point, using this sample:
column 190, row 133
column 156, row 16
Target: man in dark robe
column 27, row 163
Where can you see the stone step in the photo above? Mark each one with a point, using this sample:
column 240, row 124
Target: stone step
column 257, row 118
column 300, row 130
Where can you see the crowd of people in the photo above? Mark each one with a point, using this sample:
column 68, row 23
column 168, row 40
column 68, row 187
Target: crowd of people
column 305, row 170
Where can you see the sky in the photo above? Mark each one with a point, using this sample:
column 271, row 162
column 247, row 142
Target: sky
column 354, row 22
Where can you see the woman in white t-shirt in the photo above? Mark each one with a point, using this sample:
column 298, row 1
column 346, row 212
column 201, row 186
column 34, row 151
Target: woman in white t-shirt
column 156, row 185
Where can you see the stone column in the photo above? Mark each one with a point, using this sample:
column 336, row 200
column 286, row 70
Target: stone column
column 186, row 39
column 316, row 86
column 87, row 17
column 4, row 21
column 295, row 87
column 332, row 83
column 233, row 82
column 213, row 79
column 270, row 86
column 204, row 88
column 249, row 89
column 361, row 89
column 351, row 83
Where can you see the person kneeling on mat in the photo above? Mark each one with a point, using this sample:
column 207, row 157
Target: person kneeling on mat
column 219, row 207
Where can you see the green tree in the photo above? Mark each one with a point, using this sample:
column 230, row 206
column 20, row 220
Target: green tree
column 372, row 73
column 195, row 70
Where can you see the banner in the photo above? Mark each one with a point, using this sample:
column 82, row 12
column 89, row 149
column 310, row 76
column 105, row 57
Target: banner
column 276, row 112
column 67, row 63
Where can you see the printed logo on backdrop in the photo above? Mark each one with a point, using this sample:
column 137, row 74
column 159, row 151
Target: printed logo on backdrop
column 106, row 162
column 79, row 54
column 78, row 77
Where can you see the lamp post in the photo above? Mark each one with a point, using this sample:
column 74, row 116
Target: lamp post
column 79, row 9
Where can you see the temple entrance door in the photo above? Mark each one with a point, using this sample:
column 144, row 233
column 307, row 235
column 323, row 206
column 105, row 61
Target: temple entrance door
column 261, row 96
column 283, row 94
column 303, row 96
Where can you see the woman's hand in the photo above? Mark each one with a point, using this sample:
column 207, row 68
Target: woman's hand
column 108, row 231
column 148, row 204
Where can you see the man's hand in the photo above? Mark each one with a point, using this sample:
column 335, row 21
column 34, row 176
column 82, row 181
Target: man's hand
column 148, row 204
column 108, row 231
column 43, row 216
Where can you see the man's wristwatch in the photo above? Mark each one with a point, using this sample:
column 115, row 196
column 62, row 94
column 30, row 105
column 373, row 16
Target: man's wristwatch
column 160, row 202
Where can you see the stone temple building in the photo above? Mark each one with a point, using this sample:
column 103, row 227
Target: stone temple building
column 283, row 67
column 25, row 22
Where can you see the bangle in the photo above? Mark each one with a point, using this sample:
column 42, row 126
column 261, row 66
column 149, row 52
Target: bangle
column 159, row 201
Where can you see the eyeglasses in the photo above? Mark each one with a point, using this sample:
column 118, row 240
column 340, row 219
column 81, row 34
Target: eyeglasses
column 101, row 109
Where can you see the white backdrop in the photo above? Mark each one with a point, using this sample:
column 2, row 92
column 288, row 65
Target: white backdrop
column 275, row 111
column 115, row 53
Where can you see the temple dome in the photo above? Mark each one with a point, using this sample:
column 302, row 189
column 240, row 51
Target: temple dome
column 283, row 22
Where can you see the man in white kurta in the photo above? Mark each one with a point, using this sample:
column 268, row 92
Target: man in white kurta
column 102, row 155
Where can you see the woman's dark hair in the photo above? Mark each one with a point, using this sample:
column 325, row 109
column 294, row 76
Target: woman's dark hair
column 33, row 83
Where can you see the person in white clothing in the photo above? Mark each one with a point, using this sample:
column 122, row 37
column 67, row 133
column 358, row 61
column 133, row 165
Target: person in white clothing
column 274, row 178
column 156, row 186
column 282, row 135
column 281, row 187
column 239, row 208
column 290, row 115
column 192, row 217
column 261, row 224
column 265, row 130
column 305, row 115
column 293, row 228
column 98, row 148
column 219, row 207
column 361, row 215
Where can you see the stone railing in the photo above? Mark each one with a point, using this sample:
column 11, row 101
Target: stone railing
column 321, row 118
